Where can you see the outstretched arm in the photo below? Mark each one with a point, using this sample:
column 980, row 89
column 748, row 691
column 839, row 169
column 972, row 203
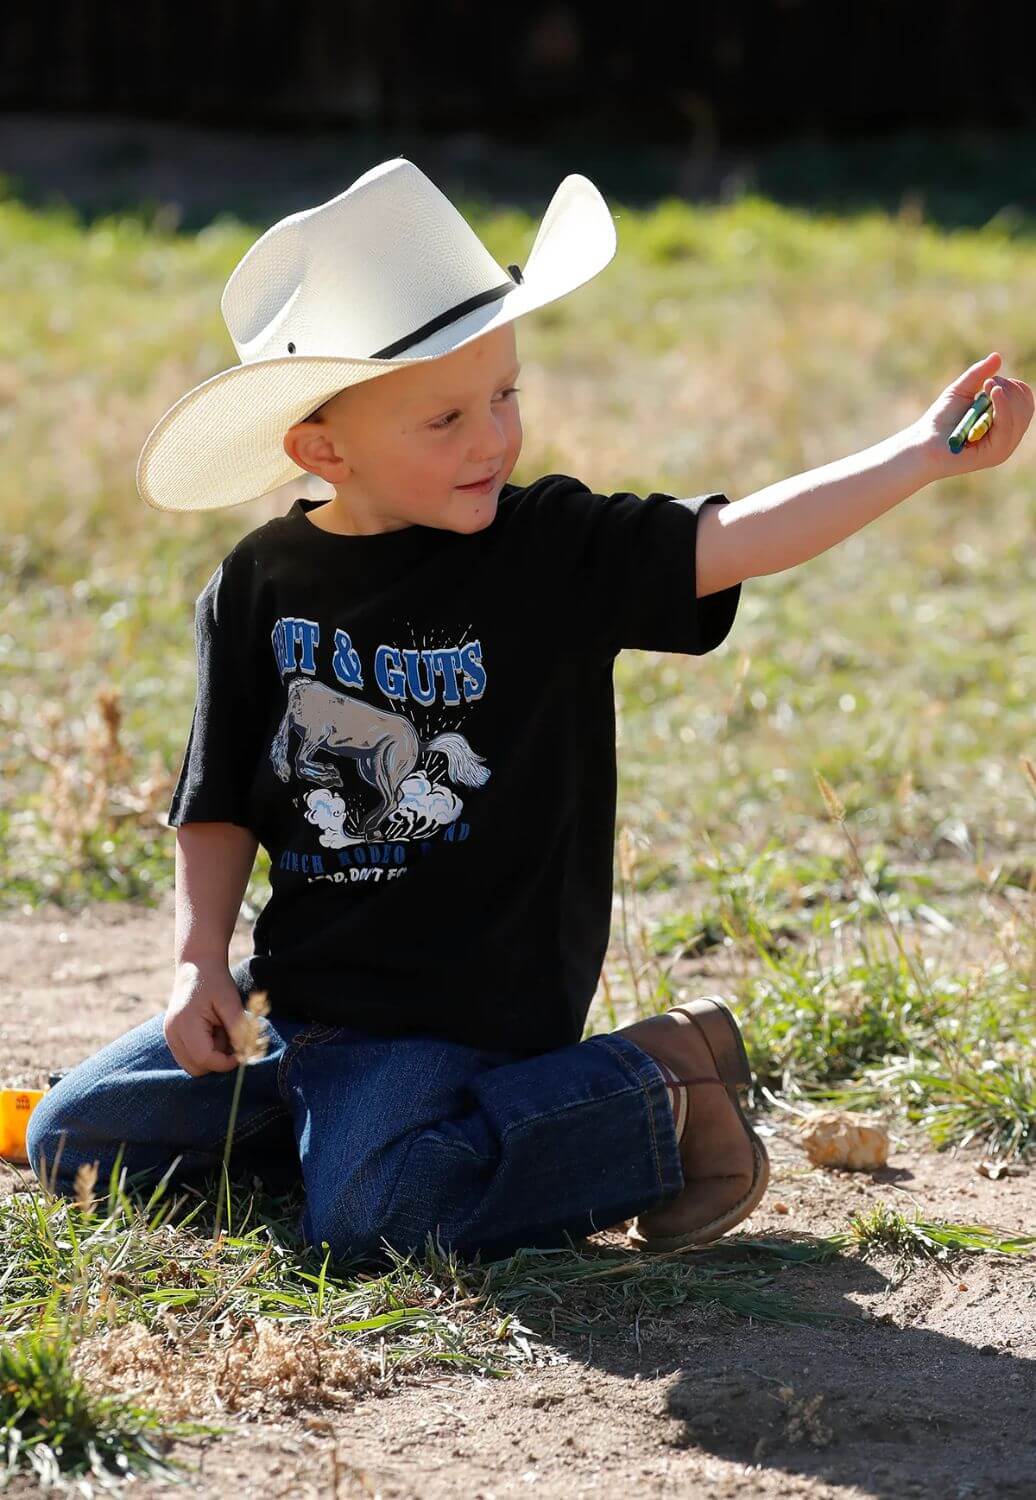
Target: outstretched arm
column 796, row 519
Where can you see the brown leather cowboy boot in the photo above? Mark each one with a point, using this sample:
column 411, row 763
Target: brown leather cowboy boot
column 699, row 1049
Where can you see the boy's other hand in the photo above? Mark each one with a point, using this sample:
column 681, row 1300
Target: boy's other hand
column 1013, row 405
column 204, row 1019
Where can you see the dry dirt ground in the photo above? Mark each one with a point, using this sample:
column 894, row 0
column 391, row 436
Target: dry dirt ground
column 930, row 1395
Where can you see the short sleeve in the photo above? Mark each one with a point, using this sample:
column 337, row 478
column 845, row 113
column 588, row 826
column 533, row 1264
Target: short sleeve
column 219, row 761
column 633, row 564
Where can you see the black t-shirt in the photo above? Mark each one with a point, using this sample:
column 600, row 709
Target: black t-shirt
column 419, row 728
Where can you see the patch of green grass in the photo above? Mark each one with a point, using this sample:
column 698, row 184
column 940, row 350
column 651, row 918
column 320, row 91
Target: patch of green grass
column 571, row 1292
column 841, row 1007
column 852, row 1028
column 887, row 1229
column 990, row 1102
column 52, row 1426
column 808, row 1025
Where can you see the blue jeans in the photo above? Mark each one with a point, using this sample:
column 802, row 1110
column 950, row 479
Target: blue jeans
column 394, row 1136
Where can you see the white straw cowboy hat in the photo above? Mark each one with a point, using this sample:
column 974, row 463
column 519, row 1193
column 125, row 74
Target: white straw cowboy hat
column 336, row 294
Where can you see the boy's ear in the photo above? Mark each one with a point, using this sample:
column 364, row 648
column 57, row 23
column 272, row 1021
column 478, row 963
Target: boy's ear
column 292, row 440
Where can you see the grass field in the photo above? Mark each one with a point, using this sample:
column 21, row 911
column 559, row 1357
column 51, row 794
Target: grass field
column 832, row 816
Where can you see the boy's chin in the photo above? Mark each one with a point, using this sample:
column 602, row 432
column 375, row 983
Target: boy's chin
column 481, row 515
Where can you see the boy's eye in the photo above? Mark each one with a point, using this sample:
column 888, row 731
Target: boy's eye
column 448, row 418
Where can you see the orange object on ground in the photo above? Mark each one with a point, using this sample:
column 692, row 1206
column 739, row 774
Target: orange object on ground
column 16, row 1105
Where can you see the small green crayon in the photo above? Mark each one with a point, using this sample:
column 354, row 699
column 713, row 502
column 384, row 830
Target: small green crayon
column 959, row 436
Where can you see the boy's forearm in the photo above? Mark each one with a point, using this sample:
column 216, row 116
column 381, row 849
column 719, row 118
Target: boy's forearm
column 213, row 863
column 796, row 519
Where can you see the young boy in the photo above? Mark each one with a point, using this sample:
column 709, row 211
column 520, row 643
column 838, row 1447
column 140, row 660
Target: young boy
column 405, row 695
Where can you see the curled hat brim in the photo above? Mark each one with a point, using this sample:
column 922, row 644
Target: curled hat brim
column 221, row 444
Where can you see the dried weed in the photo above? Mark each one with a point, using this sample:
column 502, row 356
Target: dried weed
column 258, row 1368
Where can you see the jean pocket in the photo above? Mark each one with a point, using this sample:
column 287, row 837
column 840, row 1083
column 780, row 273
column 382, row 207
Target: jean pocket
column 315, row 1034
column 318, row 1032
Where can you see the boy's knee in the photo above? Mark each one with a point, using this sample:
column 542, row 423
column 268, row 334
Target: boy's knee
column 47, row 1141
column 436, row 1183
column 346, row 1234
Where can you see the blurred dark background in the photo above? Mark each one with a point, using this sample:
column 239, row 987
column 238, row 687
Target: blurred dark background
column 252, row 106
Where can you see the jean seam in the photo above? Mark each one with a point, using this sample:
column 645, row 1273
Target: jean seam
column 282, row 1067
column 323, row 1031
column 264, row 1117
column 291, row 1051
column 550, row 1114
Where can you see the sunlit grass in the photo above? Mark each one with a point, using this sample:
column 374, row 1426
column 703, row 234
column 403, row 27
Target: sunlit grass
column 143, row 1251
column 724, row 348
column 839, row 1001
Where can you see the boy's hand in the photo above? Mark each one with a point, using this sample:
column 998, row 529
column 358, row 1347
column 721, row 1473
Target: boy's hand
column 1012, row 411
column 204, row 1020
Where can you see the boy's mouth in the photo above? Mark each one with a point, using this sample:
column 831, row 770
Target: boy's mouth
column 481, row 484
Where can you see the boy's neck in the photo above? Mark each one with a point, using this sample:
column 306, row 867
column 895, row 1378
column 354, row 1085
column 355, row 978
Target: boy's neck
column 333, row 516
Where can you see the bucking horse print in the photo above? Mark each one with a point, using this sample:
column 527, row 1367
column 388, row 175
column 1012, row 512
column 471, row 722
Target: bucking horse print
column 385, row 746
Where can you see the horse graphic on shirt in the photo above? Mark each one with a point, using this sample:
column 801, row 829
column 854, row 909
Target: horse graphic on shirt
column 385, row 746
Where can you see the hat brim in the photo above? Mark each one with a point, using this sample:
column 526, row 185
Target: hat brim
column 221, row 444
